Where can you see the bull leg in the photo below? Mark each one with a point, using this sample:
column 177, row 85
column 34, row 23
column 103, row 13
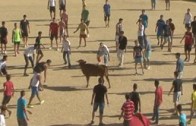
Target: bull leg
column 87, row 79
column 107, row 78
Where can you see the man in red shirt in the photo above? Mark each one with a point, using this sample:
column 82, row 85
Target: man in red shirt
column 127, row 111
column 53, row 33
column 8, row 92
column 157, row 102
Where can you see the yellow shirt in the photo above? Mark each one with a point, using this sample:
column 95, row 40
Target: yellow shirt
column 194, row 99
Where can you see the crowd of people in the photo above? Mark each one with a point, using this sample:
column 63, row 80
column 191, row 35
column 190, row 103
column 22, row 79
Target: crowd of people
column 165, row 30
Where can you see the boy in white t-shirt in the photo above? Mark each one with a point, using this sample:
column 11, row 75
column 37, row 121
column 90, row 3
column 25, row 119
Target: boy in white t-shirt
column 66, row 49
column 2, row 116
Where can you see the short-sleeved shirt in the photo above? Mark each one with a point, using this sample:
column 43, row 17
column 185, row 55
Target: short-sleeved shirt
column 172, row 26
column 138, row 51
column 85, row 14
column 38, row 42
column 21, row 104
column 40, row 67
column 106, row 9
column 35, row 81
column 122, row 42
column 188, row 18
column 2, row 64
column 188, row 38
column 100, row 90
column 177, row 84
column 103, row 50
column 160, row 25
column 64, row 16
column 83, row 28
column 29, row 51
column 158, row 96
column 52, row 3
column 167, row 30
column 54, row 28
column 182, row 119
column 179, row 65
column 24, row 25
column 66, row 45
column 144, row 18
column 141, row 30
column 128, row 109
column 3, row 32
column 119, row 28
column 9, row 87
column 193, row 25
column 135, row 97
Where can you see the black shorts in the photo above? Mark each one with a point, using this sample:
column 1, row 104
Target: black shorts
column 3, row 40
column 25, row 34
column 106, row 17
column 187, row 48
column 53, row 36
column 62, row 7
column 6, row 99
column 52, row 9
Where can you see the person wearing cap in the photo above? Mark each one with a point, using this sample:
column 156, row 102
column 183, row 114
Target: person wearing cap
column 119, row 28
column 38, row 48
column 122, row 45
column 103, row 51
column 25, row 30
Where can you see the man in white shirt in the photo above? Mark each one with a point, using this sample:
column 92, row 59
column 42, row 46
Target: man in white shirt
column 3, row 70
column 66, row 49
column 103, row 51
column 29, row 55
column 35, row 85
column 52, row 8
column 187, row 19
column 119, row 28
column 2, row 116
column 141, row 33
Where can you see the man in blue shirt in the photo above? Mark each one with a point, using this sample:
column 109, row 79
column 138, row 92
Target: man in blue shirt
column 21, row 110
column 106, row 9
column 182, row 116
column 144, row 19
column 160, row 28
column 179, row 66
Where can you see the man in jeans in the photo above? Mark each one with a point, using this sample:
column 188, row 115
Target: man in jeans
column 193, row 25
column 122, row 44
column 99, row 91
column 157, row 102
column 127, row 111
column 178, row 91
column 179, row 66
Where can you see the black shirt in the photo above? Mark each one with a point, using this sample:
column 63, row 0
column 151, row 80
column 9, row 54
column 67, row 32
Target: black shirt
column 135, row 97
column 193, row 25
column 138, row 51
column 38, row 42
column 177, row 83
column 23, row 25
column 3, row 32
column 99, row 91
column 40, row 67
column 122, row 42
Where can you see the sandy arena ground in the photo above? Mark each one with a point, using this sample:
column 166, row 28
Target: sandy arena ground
column 67, row 101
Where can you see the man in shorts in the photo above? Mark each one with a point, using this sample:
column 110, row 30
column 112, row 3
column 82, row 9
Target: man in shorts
column 167, row 4
column 167, row 36
column 159, row 29
column 16, row 39
column 193, row 103
column 22, row 117
column 193, row 25
column 53, row 33
column 119, row 28
column 38, row 47
column 144, row 19
column 187, row 18
column 36, row 86
column 64, row 17
column 62, row 5
column 135, row 97
column 84, row 32
column 29, row 55
column 8, row 92
column 25, row 30
column 177, row 91
column 99, row 91
column 52, row 8
column 85, row 15
column 172, row 27
column 188, row 43
column 141, row 33
column 61, row 29
column 179, row 66
column 106, row 9
column 42, row 67
column 3, row 38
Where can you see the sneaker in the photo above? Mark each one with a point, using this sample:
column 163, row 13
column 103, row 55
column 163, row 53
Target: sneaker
column 30, row 106
column 42, row 102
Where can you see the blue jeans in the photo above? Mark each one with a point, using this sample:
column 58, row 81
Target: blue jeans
column 156, row 114
column 66, row 57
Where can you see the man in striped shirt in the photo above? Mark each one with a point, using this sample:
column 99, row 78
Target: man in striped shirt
column 127, row 111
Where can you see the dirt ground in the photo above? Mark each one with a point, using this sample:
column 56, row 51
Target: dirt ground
column 67, row 101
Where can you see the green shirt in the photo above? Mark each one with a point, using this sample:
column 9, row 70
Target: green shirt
column 16, row 35
column 85, row 14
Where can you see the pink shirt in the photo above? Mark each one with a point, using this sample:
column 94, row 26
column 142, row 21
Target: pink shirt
column 9, row 88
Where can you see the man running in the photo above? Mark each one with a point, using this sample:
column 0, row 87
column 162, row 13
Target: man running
column 106, row 9
column 25, row 30
column 3, row 38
